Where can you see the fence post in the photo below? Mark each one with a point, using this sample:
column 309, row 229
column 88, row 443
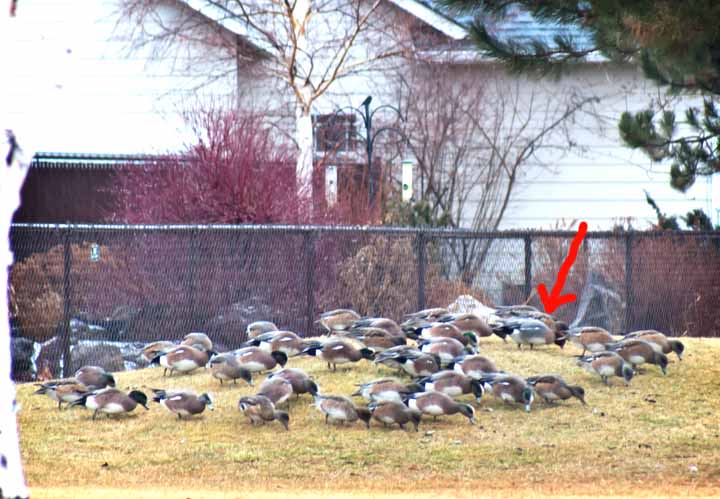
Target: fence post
column 67, row 296
column 420, row 241
column 309, row 243
column 528, row 266
column 628, row 280
column 194, row 255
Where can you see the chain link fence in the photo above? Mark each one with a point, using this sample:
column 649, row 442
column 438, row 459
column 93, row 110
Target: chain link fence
column 96, row 293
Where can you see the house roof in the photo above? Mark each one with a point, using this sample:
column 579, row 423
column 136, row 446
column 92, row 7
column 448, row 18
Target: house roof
column 229, row 20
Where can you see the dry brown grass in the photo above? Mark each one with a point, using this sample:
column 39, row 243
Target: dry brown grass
column 644, row 440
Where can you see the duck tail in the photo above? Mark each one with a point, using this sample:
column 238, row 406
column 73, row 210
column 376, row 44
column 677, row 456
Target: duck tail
column 81, row 401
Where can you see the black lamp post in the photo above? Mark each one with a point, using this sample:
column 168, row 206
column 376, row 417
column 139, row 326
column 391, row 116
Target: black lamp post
column 370, row 136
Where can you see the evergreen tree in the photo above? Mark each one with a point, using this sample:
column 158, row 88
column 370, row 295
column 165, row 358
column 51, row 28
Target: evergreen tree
column 676, row 43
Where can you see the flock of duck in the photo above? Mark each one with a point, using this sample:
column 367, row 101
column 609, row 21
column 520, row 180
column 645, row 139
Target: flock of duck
column 436, row 349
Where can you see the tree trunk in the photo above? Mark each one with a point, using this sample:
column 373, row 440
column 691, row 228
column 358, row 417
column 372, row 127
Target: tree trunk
column 12, row 481
column 304, row 137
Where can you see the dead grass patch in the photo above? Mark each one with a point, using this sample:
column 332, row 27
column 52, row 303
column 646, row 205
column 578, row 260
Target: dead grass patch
column 659, row 437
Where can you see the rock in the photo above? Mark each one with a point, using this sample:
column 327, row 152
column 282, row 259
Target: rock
column 23, row 351
column 105, row 355
column 228, row 327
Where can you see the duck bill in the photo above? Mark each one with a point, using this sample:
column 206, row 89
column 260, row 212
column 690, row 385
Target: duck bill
column 527, row 407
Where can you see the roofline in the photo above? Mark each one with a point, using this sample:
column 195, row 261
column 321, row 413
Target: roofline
column 437, row 20
column 230, row 22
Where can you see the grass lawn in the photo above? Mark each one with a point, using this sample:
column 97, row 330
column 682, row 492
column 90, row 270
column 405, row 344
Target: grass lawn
column 660, row 437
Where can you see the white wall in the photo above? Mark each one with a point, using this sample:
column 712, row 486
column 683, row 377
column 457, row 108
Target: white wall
column 600, row 181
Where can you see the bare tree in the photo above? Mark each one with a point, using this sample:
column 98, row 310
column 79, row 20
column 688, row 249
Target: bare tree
column 307, row 46
column 474, row 134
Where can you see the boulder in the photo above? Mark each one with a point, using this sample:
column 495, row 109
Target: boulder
column 105, row 355
column 22, row 351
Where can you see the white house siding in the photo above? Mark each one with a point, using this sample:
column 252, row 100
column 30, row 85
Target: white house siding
column 106, row 98
column 598, row 180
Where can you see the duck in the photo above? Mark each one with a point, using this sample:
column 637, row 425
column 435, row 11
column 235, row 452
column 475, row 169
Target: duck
column 225, row 367
column 659, row 341
column 468, row 323
column 152, row 350
column 439, row 404
column 64, row 390
column 552, row 387
column 260, row 409
column 112, row 401
column 389, row 356
column 339, row 351
column 510, row 388
column 638, row 352
column 388, row 325
column 183, row 359
column 299, row 379
column 428, row 314
column 389, row 413
column 606, row 364
column 453, row 384
column 386, row 389
column 183, row 403
column 446, row 349
column 376, row 339
column 448, row 330
column 94, row 377
column 590, row 338
column 342, row 409
column 340, row 319
column 419, row 365
column 259, row 327
column 278, row 341
column 277, row 389
column 475, row 366
column 414, row 322
column 254, row 359
column 526, row 331
column 197, row 338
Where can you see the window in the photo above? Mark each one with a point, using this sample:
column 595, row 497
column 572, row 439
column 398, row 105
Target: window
column 335, row 133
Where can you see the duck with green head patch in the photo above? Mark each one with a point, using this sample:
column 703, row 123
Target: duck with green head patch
column 511, row 389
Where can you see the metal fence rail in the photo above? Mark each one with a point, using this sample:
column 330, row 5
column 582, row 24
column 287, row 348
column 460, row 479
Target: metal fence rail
column 143, row 283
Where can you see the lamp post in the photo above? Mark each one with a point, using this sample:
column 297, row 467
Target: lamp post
column 371, row 135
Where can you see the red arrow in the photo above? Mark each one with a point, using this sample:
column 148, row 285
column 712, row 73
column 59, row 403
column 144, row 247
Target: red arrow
column 555, row 299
